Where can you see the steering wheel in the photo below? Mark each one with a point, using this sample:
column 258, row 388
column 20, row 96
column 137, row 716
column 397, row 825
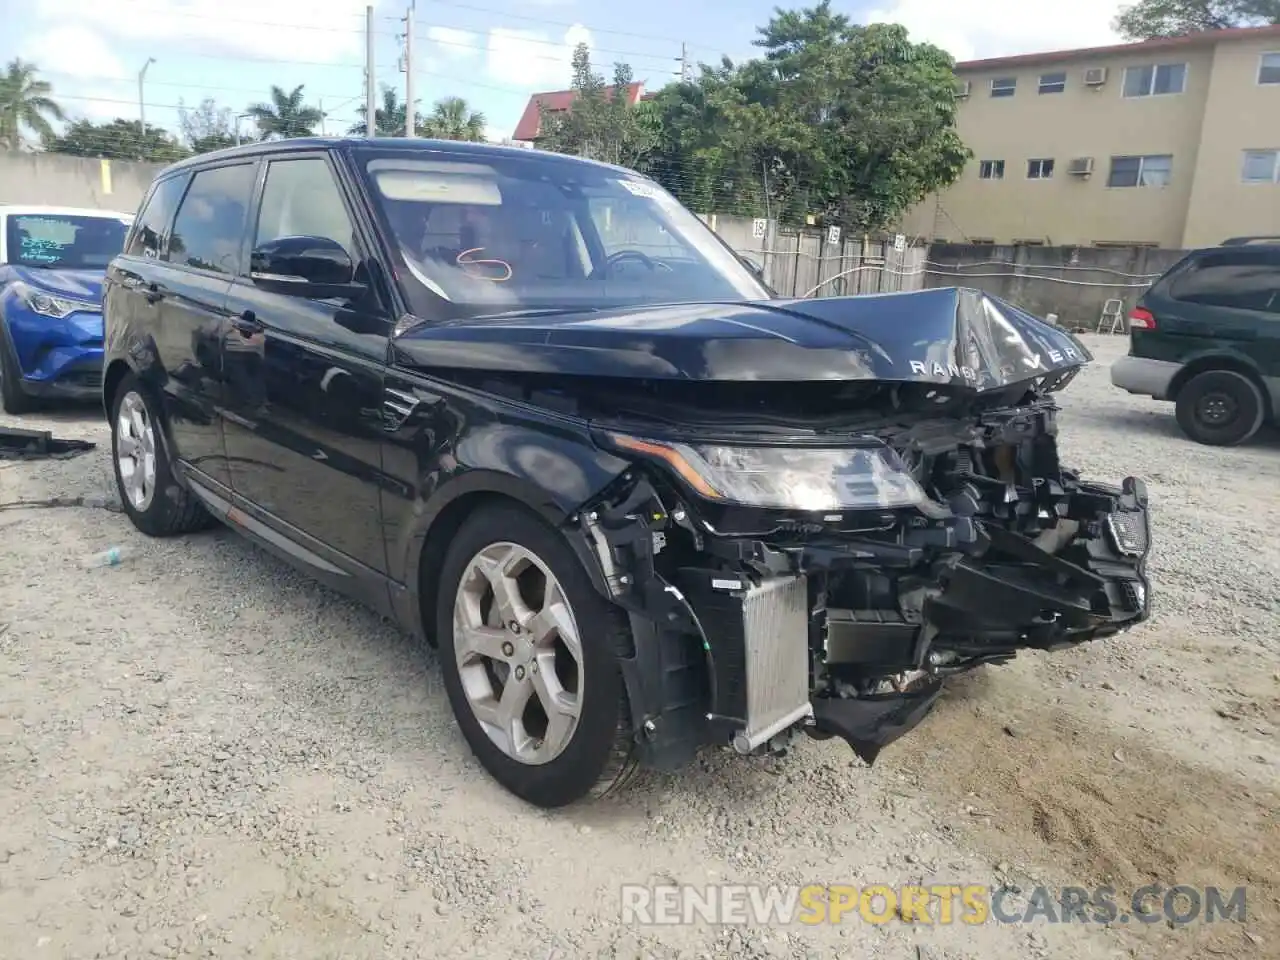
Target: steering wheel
column 624, row 255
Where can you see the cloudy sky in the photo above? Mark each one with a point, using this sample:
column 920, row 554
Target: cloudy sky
column 492, row 52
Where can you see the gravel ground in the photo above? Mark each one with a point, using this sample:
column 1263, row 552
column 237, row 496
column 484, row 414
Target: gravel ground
column 204, row 754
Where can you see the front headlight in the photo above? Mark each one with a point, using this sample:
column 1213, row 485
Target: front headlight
column 45, row 304
column 787, row 478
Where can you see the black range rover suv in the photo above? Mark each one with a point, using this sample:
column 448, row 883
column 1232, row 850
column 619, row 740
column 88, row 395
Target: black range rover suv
column 534, row 411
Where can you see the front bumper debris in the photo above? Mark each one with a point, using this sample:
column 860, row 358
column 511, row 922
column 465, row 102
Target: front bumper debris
column 746, row 639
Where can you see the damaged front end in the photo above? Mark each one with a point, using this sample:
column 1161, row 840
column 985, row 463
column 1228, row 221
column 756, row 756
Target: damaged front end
column 829, row 580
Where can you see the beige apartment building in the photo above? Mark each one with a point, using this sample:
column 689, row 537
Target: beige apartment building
column 1173, row 143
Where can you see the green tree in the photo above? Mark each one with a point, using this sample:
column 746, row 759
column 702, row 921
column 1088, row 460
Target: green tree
column 117, row 140
column 600, row 123
column 1151, row 19
column 207, row 127
column 453, row 119
column 25, row 104
column 285, row 116
column 389, row 119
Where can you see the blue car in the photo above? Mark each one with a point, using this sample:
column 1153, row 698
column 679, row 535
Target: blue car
column 52, row 263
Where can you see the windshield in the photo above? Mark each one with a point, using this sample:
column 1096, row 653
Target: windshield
column 63, row 241
column 513, row 233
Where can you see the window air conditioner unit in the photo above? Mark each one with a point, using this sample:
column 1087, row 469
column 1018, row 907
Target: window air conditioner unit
column 962, row 89
column 1095, row 76
column 1081, row 167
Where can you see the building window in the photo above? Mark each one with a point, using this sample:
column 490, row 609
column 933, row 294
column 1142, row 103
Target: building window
column 1261, row 166
column 1155, row 79
column 1269, row 68
column 1053, row 82
column 1028, row 243
column 982, row 241
column 1004, row 86
column 1039, row 169
column 1152, row 171
column 991, row 170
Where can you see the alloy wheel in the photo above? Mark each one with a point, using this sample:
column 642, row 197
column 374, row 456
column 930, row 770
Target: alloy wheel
column 519, row 653
column 136, row 451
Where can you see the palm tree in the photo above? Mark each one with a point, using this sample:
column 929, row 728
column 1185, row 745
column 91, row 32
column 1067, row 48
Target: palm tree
column 452, row 119
column 25, row 102
column 285, row 116
column 388, row 119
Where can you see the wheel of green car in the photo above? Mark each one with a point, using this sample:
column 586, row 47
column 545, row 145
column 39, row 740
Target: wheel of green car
column 529, row 653
column 152, row 497
column 1220, row 408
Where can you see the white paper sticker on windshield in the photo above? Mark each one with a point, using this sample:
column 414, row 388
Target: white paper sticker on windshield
column 641, row 189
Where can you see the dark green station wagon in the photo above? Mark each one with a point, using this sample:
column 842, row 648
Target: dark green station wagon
column 1206, row 336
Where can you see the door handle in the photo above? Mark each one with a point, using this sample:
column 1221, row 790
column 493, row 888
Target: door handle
column 247, row 324
column 153, row 292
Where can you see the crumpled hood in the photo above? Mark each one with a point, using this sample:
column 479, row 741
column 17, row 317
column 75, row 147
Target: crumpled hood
column 83, row 285
column 954, row 335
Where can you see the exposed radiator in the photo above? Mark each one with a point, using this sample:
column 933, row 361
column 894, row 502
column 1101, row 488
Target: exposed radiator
column 775, row 618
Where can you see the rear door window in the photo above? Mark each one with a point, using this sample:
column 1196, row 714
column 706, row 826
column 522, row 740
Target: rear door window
column 208, row 233
column 1237, row 279
column 157, row 214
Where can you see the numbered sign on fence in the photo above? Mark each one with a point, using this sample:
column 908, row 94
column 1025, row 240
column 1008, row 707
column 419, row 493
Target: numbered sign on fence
column 833, row 234
column 899, row 243
column 758, row 227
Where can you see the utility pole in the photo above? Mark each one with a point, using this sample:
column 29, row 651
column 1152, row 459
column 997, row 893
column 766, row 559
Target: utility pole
column 142, row 106
column 408, row 70
column 684, row 63
column 371, row 91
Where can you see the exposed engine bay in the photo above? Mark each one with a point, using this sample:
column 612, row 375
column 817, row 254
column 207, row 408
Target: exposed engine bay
column 844, row 622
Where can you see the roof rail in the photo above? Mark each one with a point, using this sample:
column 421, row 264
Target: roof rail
column 1241, row 241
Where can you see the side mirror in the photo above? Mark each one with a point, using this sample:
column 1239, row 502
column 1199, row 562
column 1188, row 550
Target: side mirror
column 304, row 267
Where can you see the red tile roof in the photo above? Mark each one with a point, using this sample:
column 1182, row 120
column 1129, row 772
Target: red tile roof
column 1163, row 43
column 559, row 100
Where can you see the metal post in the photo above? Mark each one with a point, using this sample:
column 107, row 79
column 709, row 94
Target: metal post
column 408, row 72
column 142, row 107
column 371, row 87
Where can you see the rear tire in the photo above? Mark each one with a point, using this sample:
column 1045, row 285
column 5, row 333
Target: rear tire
column 12, row 397
column 1220, row 408
column 152, row 497
column 539, row 581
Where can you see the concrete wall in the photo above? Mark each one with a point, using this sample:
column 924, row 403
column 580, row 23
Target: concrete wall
column 1072, row 282
column 56, row 180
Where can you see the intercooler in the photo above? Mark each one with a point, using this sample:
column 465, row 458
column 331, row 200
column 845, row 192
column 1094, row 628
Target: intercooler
column 758, row 635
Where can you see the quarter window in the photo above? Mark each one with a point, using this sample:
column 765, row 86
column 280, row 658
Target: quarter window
column 1039, row 169
column 1155, row 79
column 153, row 222
column 1004, row 86
column 1053, row 82
column 1242, row 280
column 991, row 170
column 1261, row 166
column 209, row 230
column 1269, row 68
column 1149, row 171
column 302, row 199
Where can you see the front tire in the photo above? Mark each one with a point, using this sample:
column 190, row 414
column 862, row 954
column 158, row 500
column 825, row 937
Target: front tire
column 1220, row 408
column 12, row 397
column 154, row 500
column 529, row 653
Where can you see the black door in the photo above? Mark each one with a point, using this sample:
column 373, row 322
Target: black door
column 175, row 284
column 304, row 384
